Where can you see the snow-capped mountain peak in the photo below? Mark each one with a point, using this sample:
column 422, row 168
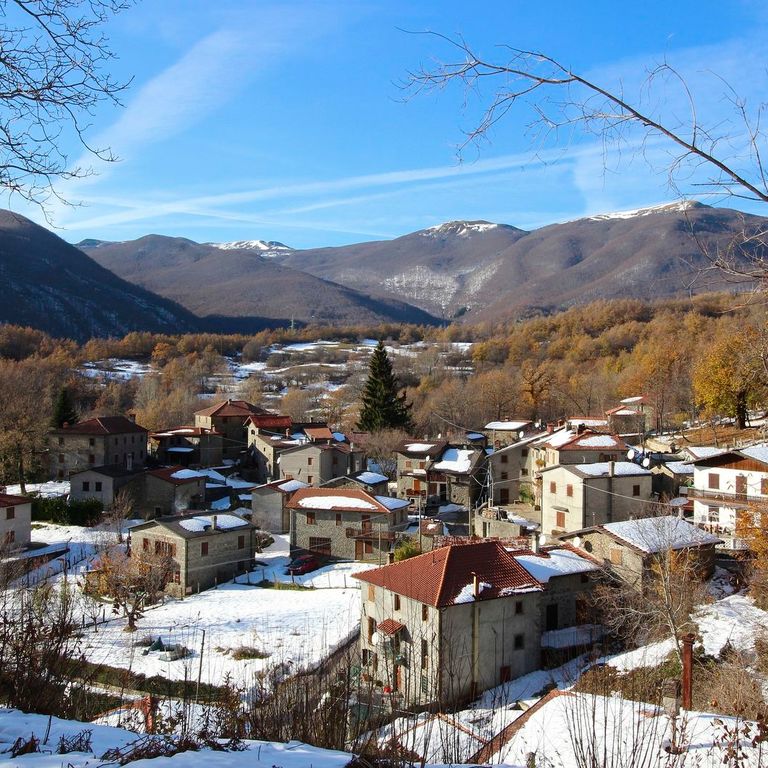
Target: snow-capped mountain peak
column 264, row 247
column 676, row 207
column 460, row 228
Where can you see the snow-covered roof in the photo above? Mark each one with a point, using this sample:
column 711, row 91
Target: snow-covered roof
column 292, row 485
column 371, row 478
column 186, row 474
column 392, row 503
column 657, row 534
column 602, row 468
column 199, row 523
column 555, row 562
column 507, row 426
column 335, row 502
column 560, row 437
column 180, row 449
column 597, row 441
column 703, row 451
column 679, row 467
column 419, row 447
column 757, row 452
column 222, row 503
column 455, row 460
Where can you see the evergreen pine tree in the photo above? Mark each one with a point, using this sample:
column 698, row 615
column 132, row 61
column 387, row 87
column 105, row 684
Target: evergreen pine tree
column 64, row 410
column 383, row 407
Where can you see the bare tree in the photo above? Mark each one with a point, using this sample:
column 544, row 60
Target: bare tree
column 728, row 156
column 52, row 77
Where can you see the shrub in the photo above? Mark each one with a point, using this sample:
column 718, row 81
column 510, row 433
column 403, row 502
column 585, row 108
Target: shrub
column 58, row 510
column 407, row 547
column 249, row 652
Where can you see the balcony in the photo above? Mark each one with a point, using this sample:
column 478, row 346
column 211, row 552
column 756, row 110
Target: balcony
column 371, row 532
column 711, row 495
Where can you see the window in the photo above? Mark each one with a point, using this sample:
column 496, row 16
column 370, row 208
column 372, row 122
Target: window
column 368, row 547
column 204, row 548
column 176, row 576
column 713, row 514
column 764, row 486
column 504, row 459
column 321, row 545
column 97, row 485
column 397, row 602
column 519, row 607
column 560, row 517
column 10, row 513
column 91, row 458
column 518, row 642
column 115, row 441
column 241, row 542
column 371, row 593
column 311, row 518
column 617, row 557
column 61, row 441
column 91, row 442
column 310, row 478
column 505, row 675
column 424, row 654
column 309, row 461
column 61, row 458
column 504, row 476
column 524, row 453
column 117, row 459
column 635, row 490
column 338, row 518
column 569, row 490
column 523, row 471
column 371, row 628
column 409, row 465
column 424, row 612
column 86, row 485
column 366, row 656
column 10, row 537
column 165, row 548
column 713, row 480
column 553, row 487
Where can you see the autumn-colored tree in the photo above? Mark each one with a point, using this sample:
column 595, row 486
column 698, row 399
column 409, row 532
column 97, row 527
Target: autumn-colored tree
column 298, row 404
column 730, row 375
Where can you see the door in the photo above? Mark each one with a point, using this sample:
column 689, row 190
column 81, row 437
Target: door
column 741, row 484
column 503, row 495
column 358, row 549
column 551, row 617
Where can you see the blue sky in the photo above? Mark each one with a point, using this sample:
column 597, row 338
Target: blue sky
column 286, row 121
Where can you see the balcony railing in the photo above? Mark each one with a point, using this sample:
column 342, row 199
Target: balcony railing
column 370, row 533
column 723, row 497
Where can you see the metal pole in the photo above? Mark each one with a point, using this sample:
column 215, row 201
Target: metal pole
column 200, row 668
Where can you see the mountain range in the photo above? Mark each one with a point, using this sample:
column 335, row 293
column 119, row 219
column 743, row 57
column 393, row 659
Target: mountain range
column 476, row 270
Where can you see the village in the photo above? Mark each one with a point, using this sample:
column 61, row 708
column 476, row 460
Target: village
column 501, row 560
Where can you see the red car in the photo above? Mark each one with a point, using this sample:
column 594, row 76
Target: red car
column 302, row 564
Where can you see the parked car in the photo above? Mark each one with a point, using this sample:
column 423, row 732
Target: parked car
column 302, row 564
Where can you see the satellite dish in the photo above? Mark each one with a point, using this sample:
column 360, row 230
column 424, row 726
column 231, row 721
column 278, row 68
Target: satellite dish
column 647, row 463
column 543, row 539
column 521, row 434
column 577, row 541
column 631, row 454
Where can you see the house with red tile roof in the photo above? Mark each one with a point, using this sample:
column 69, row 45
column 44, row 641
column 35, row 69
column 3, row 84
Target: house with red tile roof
column 229, row 418
column 115, row 441
column 15, row 522
column 187, row 445
column 443, row 626
column 346, row 523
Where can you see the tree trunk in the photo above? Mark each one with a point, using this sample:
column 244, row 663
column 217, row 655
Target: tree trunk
column 741, row 410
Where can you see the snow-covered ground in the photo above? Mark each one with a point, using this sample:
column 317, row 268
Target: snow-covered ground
column 257, row 754
column 47, row 490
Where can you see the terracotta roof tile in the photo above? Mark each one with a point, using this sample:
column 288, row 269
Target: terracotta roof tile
column 7, row 500
column 102, row 425
column 437, row 577
column 389, row 627
column 232, row 408
column 367, row 503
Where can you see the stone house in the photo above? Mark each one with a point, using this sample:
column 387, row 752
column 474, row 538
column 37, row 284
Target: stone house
column 170, row 491
column 105, row 440
column 269, row 503
column 457, row 476
column 188, row 446
column 15, row 522
column 229, row 418
column 102, row 483
column 672, row 478
column 629, row 548
column 345, row 523
column 316, row 463
column 633, row 416
column 503, row 433
column 414, row 458
column 511, row 472
column 204, row 549
column 439, row 628
column 728, row 486
column 581, row 495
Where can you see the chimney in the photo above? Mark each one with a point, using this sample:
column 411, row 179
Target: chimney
column 611, row 469
column 214, row 522
column 580, row 429
column 550, row 427
column 390, row 557
column 535, row 542
column 475, row 585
